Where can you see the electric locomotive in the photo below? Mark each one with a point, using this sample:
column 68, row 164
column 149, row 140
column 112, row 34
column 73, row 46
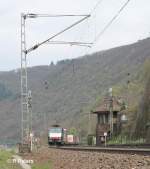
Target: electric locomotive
column 59, row 136
column 56, row 135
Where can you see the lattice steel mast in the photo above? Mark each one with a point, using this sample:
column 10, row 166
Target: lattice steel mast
column 26, row 107
column 24, row 88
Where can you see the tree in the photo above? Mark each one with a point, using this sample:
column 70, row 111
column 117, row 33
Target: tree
column 72, row 131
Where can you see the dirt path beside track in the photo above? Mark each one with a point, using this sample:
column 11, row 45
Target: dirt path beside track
column 19, row 161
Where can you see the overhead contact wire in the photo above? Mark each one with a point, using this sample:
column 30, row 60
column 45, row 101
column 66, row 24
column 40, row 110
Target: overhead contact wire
column 97, row 4
column 111, row 21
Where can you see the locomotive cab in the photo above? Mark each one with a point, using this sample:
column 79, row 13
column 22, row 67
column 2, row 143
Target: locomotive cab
column 55, row 135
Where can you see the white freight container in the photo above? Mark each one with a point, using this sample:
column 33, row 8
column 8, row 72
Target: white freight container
column 70, row 138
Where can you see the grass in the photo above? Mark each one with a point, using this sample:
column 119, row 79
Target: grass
column 125, row 140
column 4, row 157
column 43, row 165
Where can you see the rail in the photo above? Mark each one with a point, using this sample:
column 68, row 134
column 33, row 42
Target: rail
column 121, row 150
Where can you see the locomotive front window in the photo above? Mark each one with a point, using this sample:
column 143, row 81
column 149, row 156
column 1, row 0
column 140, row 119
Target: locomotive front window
column 55, row 130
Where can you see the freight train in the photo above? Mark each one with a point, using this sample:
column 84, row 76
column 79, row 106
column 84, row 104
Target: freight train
column 59, row 136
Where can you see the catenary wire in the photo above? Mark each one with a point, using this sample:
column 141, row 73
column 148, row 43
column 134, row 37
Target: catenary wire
column 97, row 4
column 107, row 26
column 111, row 21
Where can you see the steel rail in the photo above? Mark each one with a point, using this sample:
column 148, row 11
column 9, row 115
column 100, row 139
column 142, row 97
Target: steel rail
column 145, row 151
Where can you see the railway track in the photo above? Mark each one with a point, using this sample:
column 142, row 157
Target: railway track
column 121, row 150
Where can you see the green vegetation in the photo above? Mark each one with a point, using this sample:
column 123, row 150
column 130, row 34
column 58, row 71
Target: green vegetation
column 126, row 140
column 67, row 91
column 73, row 131
column 143, row 112
column 91, row 140
column 43, row 165
column 5, row 160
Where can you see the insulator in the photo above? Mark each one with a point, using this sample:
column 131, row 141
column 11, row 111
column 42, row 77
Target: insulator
column 31, row 15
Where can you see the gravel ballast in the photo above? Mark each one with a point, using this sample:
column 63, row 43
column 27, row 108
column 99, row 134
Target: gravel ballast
column 67, row 159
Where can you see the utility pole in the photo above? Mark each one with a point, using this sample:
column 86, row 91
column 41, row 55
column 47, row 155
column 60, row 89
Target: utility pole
column 89, row 127
column 26, row 107
column 128, row 87
column 111, row 110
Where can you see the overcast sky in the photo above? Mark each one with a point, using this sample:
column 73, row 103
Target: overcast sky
column 132, row 24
